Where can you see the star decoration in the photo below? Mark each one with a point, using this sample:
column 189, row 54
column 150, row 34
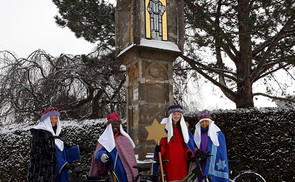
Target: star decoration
column 156, row 131
column 221, row 164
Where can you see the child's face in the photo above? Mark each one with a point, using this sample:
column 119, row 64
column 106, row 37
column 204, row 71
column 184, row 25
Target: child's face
column 53, row 120
column 204, row 123
column 176, row 117
column 116, row 127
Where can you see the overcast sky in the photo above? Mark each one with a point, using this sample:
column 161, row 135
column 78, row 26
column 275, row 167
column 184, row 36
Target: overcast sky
column 28, row 25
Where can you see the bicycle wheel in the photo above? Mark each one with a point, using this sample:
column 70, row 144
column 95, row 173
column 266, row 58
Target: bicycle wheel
column 249, row 176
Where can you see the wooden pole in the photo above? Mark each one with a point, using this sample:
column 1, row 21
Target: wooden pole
column 161, row 165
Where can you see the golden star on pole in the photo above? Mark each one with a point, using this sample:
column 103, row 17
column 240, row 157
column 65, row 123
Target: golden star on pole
column 156, row 131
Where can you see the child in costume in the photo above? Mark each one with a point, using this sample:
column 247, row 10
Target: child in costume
column 50, row 156
column 208, row 137
column 178, row 148
column 114, row 146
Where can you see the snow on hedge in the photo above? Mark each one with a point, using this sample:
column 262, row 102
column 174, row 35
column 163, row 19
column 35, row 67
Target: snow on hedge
column 262, row 139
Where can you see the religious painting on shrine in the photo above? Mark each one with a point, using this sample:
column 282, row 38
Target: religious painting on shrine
column 156, row 19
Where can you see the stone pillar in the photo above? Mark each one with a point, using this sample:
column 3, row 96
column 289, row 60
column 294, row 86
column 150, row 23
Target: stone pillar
column 149, row 37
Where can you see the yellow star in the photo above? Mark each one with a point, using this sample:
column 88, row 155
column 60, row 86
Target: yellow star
column 156, row 131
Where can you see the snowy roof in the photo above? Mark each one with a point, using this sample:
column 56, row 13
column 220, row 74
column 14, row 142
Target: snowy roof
column 165, row 45
column 158, row 44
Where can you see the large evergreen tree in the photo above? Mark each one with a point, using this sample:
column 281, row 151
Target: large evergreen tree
column 93, row 20
column 257, row 37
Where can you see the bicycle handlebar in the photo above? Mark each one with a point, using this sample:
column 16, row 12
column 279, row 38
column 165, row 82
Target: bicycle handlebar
column 140, row 168
column 197, row 159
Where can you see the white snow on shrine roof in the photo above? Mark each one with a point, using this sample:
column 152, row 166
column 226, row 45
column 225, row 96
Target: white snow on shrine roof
column 126, row 49
column 158, row 44
column 165, row 45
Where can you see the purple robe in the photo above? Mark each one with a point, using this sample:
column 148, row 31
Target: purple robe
column 203, row 147
column 127, row 156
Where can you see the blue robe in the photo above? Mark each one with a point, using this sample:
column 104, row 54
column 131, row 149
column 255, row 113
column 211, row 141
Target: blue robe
column 191, row 144
column 119, row 168
column 69, row 154
column 217, row 165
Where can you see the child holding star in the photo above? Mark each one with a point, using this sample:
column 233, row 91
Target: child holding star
column 178, row 148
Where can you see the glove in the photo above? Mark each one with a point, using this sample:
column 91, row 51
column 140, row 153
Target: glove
column 77, row 170
column 84, row 148
column 70, row 166
column 202, row 155
column 158, row 148
column 104, row 158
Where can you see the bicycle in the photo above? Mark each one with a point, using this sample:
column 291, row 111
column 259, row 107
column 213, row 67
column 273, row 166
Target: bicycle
column 243, row 176
column 157, row 177
column 111, row 175
column 196, row 172
column 145, row 177
column 80, row 175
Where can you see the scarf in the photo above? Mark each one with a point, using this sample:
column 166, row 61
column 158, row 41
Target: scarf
column 169, row 127
column 46, row 125
column 212, row 132
column 107, row 139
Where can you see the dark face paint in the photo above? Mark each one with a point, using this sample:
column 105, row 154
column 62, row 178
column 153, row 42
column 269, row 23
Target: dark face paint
column 116, row 127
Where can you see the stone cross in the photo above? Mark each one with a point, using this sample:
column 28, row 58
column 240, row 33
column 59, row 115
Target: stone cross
column 156, row 10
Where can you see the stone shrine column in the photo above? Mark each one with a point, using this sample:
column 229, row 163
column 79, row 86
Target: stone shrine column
column 149, row 37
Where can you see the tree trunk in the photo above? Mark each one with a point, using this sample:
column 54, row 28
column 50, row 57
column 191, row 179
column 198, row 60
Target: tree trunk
column 96, row 108
column 244, row 97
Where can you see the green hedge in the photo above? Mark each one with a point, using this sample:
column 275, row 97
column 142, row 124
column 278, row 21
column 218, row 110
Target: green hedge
column 262, row 139
column 15, row 146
